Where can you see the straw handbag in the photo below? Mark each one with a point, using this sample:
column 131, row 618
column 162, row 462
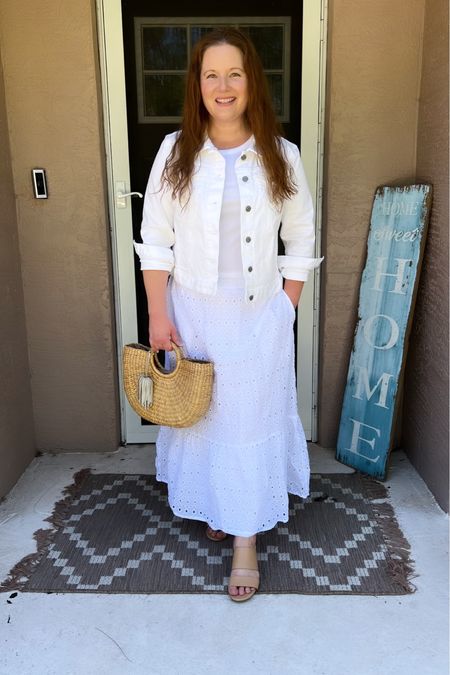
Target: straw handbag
column 176, row 398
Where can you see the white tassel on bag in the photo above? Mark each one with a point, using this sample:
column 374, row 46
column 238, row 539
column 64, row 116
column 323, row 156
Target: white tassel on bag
column 145, row 391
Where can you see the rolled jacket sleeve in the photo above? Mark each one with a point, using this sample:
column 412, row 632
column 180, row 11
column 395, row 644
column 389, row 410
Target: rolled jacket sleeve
column 157, row 232
column 297, row 227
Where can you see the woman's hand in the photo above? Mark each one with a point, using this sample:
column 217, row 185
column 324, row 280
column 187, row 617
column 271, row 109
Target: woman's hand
column 161, row 332
column 293, row 290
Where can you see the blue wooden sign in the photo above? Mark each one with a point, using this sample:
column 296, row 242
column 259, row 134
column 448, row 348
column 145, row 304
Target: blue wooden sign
column 387, row 295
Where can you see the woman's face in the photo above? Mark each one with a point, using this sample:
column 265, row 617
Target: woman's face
column 223, row 83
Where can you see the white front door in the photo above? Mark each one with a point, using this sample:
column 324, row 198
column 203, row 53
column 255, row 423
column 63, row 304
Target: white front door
column 313, row 52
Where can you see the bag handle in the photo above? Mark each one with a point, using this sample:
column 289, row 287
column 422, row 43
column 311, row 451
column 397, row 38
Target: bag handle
column 154, row 364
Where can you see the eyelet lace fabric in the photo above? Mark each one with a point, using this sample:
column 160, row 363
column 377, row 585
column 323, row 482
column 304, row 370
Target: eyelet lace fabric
column 235, row 467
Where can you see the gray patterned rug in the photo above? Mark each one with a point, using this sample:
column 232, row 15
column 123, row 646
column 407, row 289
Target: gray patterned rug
column 115, row 533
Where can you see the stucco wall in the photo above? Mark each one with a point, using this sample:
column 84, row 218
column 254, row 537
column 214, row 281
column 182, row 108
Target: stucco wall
column 16, row 413
column 51, row 82
column 373, row 79
column 426, row 404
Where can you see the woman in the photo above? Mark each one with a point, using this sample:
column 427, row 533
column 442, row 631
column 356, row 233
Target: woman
column 216, row 195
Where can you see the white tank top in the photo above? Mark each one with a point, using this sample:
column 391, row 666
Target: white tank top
column 230, row 257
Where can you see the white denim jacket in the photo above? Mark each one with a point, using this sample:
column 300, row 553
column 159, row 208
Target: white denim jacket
column 183, row 238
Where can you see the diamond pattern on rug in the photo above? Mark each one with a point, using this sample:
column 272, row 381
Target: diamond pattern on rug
column 117, row 534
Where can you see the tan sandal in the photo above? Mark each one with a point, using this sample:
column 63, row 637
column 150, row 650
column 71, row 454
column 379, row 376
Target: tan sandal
column 244, row 558
column 214, row 535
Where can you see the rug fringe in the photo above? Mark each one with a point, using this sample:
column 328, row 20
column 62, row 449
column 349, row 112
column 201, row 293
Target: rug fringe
column 21, row 572
column 400, row 566
column 375, row 488
column 69, row 492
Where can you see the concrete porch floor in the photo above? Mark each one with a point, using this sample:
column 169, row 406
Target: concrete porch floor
column 96, row 634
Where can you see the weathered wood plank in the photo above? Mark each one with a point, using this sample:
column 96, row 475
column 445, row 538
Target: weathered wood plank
column 388, row 289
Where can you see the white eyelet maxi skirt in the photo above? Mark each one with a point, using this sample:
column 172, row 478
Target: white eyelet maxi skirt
column 234, row 468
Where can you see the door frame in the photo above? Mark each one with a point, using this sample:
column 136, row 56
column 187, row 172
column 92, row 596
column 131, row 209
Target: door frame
column 112, row 73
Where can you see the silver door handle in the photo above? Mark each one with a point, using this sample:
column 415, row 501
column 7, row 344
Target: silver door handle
column 122, row 195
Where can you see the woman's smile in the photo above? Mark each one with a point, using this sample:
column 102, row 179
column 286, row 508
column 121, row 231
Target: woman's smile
column 225, row 101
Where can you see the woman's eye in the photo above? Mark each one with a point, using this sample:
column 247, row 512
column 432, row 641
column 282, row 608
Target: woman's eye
column 210, row 75
column 235, row 74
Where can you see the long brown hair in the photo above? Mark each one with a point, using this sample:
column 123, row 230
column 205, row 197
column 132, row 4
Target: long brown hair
column 260, row 118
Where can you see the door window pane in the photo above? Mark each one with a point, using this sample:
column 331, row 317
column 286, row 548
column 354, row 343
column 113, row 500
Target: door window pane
column 276, row 89
column 163, row 53
column 268, row 41
column 164, row 48
column 198, row 32
column 164, row 94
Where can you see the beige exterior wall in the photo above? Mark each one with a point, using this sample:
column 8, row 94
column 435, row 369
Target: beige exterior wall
column 426, row 410
column 373, row 80
column 16, row 411
column 52, row 93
